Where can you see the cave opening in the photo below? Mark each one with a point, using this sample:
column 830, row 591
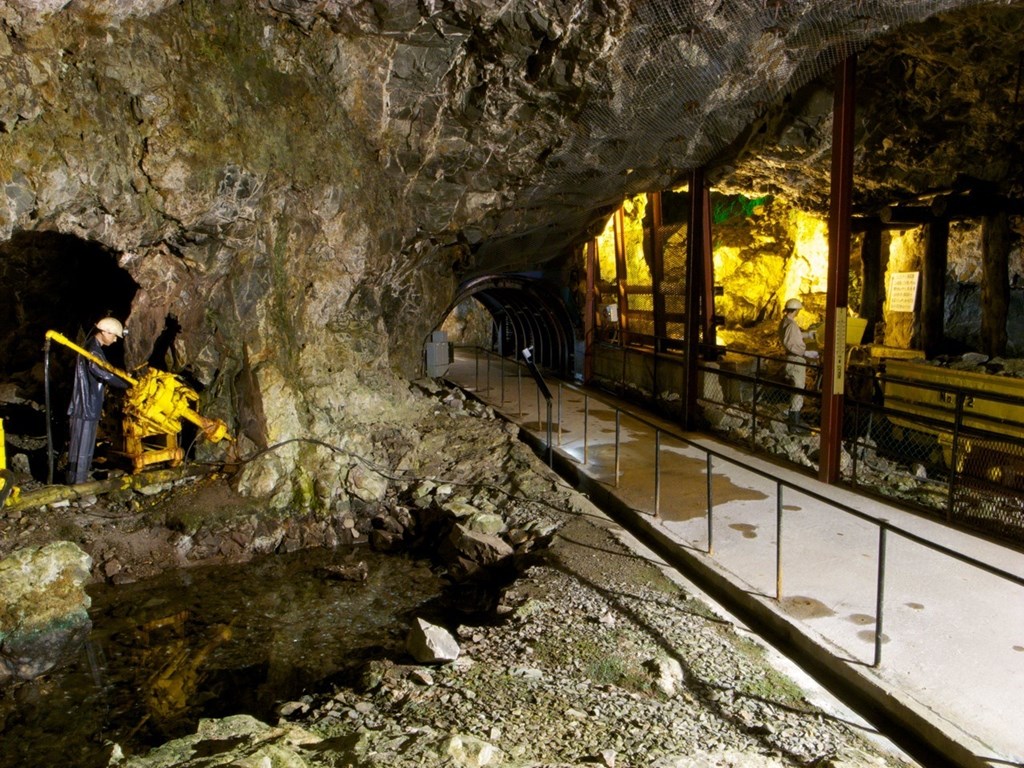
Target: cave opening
column 51, row 281
column 507, row 313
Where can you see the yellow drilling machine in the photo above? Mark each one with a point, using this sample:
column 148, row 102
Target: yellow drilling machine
column 155, row 405
column 8, row 493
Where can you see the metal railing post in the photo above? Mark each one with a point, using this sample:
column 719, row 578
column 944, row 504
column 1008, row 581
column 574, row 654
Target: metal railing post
column 778, row 541
column 856, row 445
column 880, row 597
column 586, row 423
column 618, row 422
column 753, row 400
column 954, row 455
column 711, row 508
column 657, row 473
column 559, row 414
column 551, row 449
column 519, row 389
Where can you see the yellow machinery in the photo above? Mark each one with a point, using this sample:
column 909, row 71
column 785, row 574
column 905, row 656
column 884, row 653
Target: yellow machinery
column 154, row 407
column 926, row 405
column 8, row 493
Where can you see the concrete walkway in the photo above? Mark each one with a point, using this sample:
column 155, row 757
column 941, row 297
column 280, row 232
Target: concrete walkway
column 951, row 653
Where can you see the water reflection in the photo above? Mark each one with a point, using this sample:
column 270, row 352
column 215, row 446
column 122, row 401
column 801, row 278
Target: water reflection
column 208, row 643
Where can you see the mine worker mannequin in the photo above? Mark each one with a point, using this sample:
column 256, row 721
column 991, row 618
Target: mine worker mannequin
column 154, row 407
column 794, row 341
column 87, row 395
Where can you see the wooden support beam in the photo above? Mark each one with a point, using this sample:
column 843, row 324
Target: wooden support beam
column 695, row 280
column 621, row 274
column 995, row 282
column 932, row 322
column 976, row 205
column 833, row 368
column 907, row 215
column 709, row 320
column 860, row 224
column 873, row 263
column 657, row 257
column 590, row 312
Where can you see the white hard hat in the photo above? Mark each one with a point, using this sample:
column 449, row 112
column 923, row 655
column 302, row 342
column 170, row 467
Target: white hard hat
column 111, row 325
column 794, row 304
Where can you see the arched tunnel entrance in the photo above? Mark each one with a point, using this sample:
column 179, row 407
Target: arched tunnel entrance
column 521, row 312
column 50, row 281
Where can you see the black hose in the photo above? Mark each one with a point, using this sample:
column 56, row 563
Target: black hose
column 49, row 431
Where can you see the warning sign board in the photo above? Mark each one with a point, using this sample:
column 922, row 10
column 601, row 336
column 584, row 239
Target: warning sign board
column 903, row 291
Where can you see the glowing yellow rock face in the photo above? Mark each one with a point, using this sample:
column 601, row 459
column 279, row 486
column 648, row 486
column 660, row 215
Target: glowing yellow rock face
column 638, row 271
column 906, row 249
column 764, row 258
column 809, row 260
column 606, row 251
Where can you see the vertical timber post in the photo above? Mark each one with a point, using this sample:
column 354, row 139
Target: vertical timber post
column 833, row 370
column 873, row 292
column 933, row 287
column 658, row 270
column 995, row 282
column 621, row 274
column 589, row 314
column 695, row 289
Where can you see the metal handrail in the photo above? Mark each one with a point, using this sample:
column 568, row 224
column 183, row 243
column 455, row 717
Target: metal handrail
column 884, row 526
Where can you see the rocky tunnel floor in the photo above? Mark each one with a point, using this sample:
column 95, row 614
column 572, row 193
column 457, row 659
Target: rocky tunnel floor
column 592, row 654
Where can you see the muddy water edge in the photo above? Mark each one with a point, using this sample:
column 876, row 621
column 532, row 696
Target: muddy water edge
column 213, row 641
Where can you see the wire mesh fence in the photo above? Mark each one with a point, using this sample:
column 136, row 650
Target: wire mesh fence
column 948, row 442
column 956, row 437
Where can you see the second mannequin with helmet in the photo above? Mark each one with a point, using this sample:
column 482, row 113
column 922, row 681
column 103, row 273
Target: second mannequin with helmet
column 794, row 342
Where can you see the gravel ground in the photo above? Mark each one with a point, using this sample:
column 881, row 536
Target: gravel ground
column 569, row 675
column 593, row 655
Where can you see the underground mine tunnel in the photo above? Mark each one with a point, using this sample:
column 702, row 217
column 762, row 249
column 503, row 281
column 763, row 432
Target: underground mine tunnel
column 307, row 215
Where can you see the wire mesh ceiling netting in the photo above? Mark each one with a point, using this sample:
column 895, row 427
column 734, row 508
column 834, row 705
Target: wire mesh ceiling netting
column 713, row 84
column 675, row 82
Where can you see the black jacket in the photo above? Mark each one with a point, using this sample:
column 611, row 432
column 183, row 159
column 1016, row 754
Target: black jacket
column 90, row 384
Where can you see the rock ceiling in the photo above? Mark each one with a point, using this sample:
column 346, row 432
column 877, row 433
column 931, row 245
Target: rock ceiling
column 938, row 108
column 300, row 185
column 508, row 127
column 328, row 170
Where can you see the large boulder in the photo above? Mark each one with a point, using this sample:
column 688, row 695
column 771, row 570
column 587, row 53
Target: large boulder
column 236, row 740
column 44, row 609
column 431, row 644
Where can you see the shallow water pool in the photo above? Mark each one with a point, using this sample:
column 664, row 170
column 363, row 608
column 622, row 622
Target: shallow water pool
column 210, row 642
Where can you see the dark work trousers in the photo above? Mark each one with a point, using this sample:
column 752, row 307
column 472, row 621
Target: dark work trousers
column 80, row 449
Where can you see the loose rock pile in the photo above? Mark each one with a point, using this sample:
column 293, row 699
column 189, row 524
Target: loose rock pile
column 590, row 658
column 566, row 649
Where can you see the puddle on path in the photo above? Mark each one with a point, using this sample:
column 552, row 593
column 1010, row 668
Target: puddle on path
column 748, row 531
column 868, row 636
column 915, row 606
column 861, row 618
column 805, row 607
column 685, row 492
column 209, row 642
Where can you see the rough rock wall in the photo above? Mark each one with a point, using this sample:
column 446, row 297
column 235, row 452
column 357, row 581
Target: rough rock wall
column 213, row 148
column 302, row 183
